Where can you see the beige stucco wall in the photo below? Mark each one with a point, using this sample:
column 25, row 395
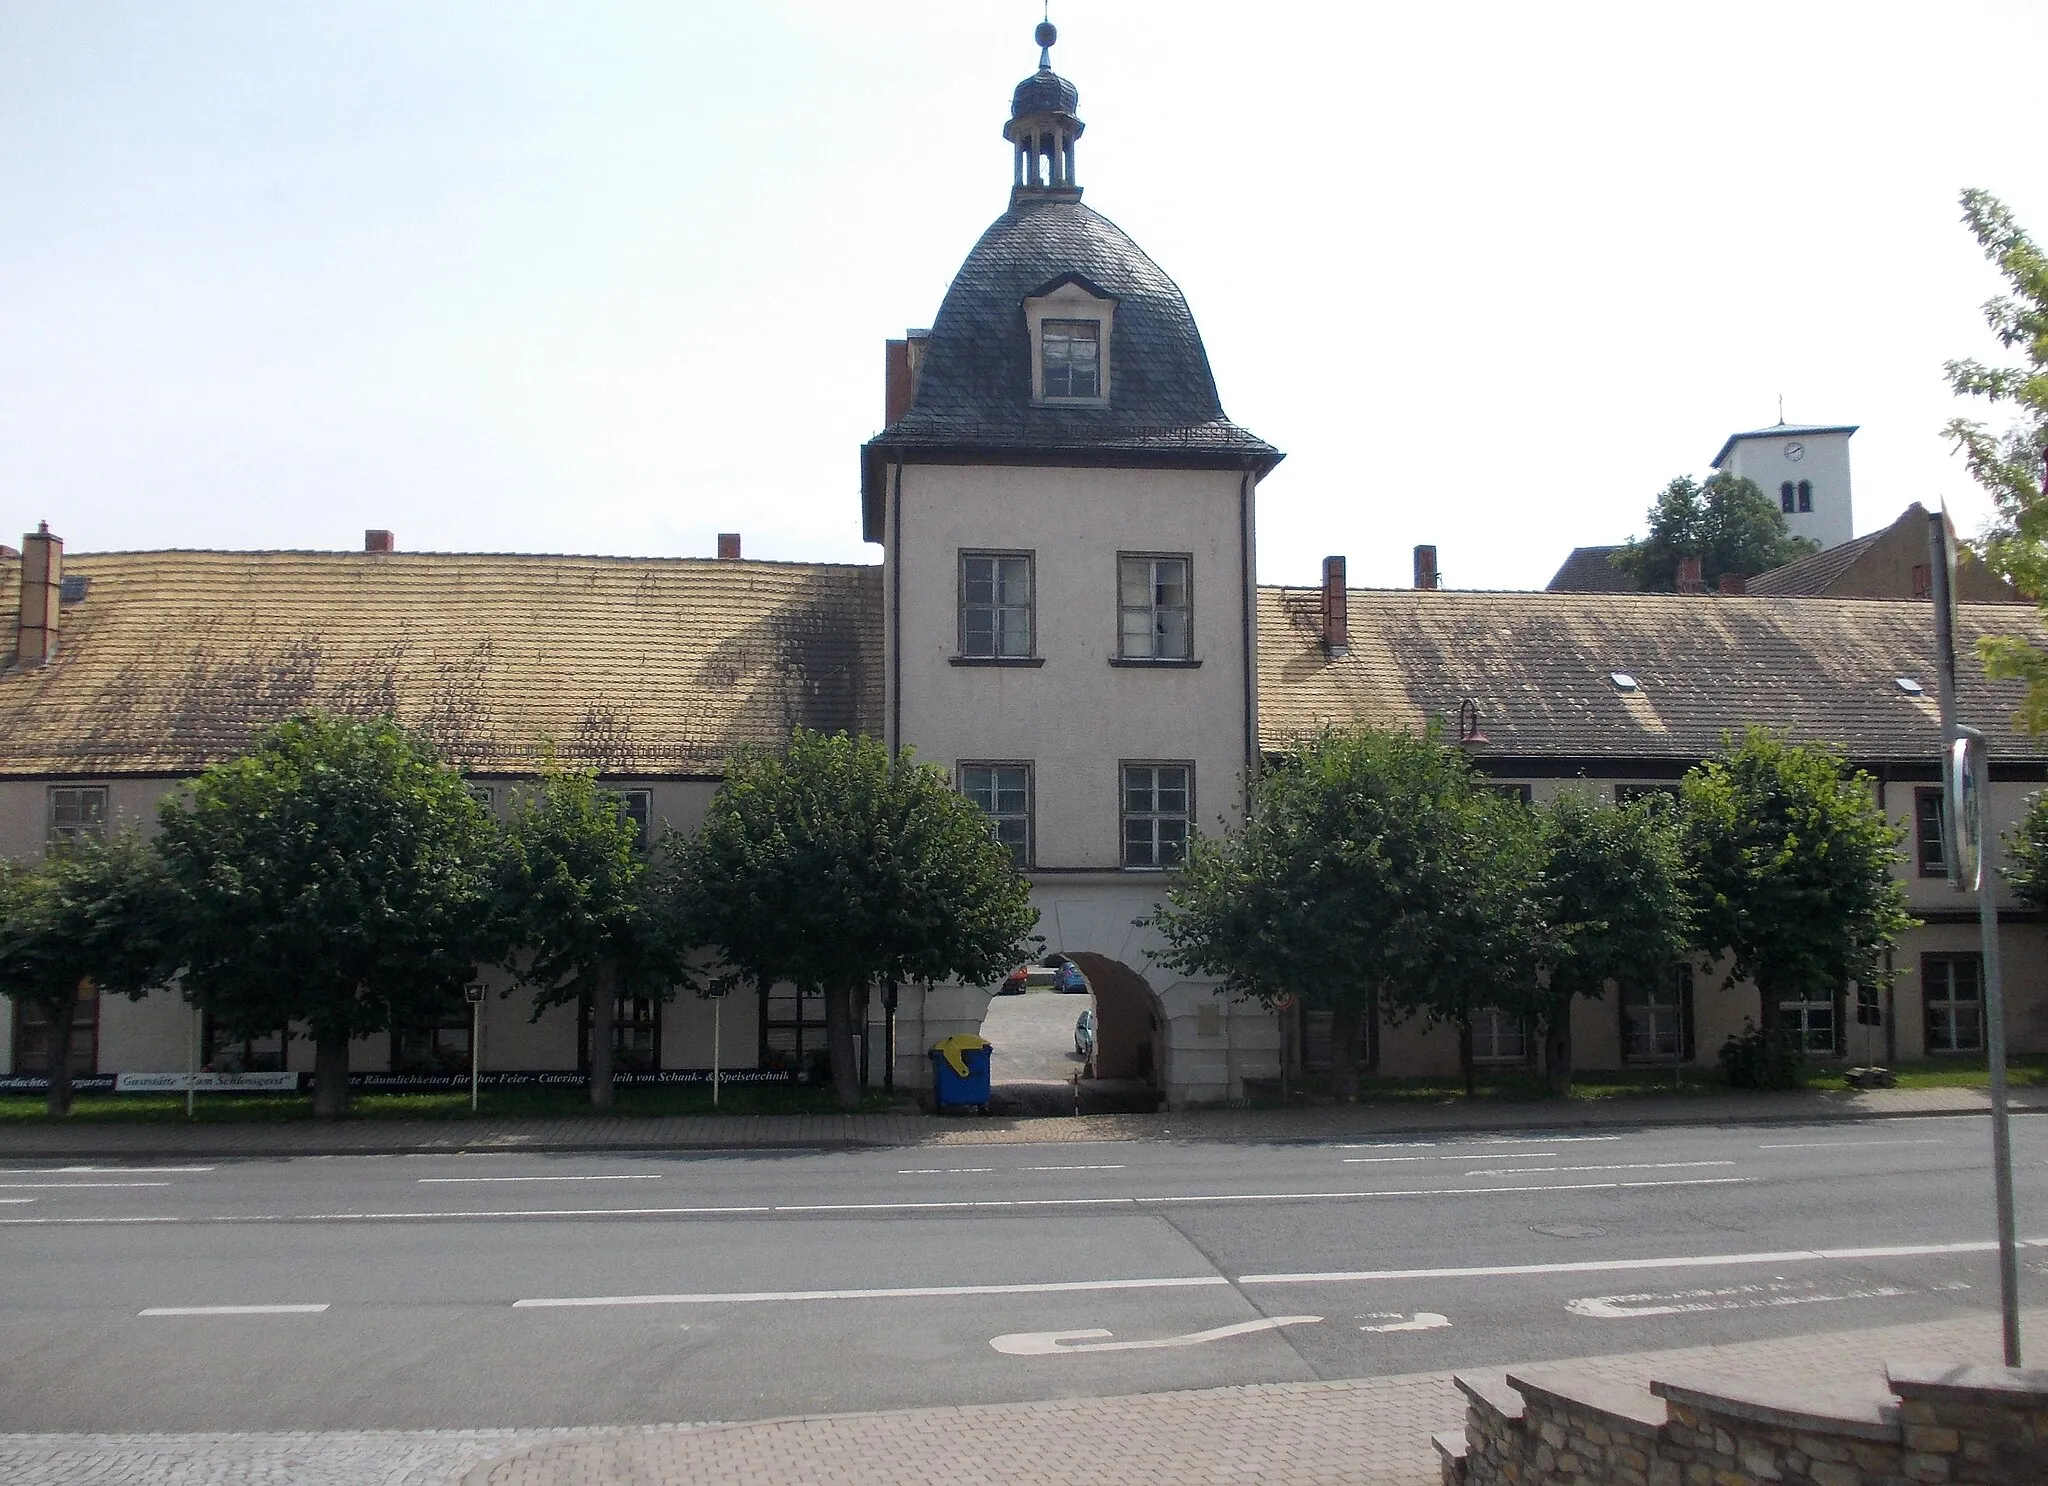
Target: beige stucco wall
column 1075, row 717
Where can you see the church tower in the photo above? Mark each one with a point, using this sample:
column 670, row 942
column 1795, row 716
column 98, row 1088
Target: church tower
column 1066, row 518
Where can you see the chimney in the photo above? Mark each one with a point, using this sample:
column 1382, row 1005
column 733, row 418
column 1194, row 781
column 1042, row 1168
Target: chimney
column 728, row 546
column 42, row 583
column 379, row 541
column 1336, row 609
column 1425, row 567
column 1689, row 580
column 895, row 382
column 1734, row 585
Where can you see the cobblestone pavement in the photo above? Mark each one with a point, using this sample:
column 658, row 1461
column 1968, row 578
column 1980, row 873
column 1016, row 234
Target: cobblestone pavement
column 89, row 1141
column 1370, row 1432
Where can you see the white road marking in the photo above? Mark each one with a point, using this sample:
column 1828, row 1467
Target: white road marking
column 16, row 1201
column 1549, row 1140
column 233, row 1310
column 1728, row 1298
column 32, row 1186
column 97, row 1170
column 1420, row 1321
column 1826, row 1145
column 1381, row 1160
column 1496, row 1156
column 903, row 1292
column 1599, row 1266
column 944, row 1170
column 1118, row 1167
column 1388, row 1145
column 1626, row 1166
column 961, row 1204
column 1055, row 1343
column 638, row 1176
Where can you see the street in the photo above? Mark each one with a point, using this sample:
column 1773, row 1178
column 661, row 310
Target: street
column 470, row 1291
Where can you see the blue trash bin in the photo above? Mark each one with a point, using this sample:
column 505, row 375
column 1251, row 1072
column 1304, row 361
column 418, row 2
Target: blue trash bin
column 950, row 1087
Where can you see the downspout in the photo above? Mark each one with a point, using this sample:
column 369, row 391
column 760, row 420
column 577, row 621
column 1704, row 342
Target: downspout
column 1246, row 485
column 895, row 723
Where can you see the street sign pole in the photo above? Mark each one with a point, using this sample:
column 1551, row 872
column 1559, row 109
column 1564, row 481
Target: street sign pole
column 717, row 1005
column 1966, row 795
column 475, row 994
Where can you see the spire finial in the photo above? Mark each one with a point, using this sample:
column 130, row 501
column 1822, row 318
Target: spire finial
column 1046, row 34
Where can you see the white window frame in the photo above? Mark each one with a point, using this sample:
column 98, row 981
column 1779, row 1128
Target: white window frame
column 75, row 812
column 1070, row 300
column 1000, row 603
column 1499, row 1038
column 1949, row 1005
column 1803, row 1019
column 1144, row 626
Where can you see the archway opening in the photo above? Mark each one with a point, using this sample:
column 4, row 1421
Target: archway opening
column 1075, row 1033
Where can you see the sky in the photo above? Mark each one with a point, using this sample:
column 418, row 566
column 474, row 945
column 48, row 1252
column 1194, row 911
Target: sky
column 613, row 278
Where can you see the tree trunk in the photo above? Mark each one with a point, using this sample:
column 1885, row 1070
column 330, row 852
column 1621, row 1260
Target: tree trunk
column 1557, row 1047
column 330, row 1075
column 58, row 1103
column 1465, row 1066
column 604, row 1001
column 1344, row 1051
column 839, row 1040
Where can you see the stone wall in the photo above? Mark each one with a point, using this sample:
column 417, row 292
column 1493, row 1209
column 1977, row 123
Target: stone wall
column 1943, row 1425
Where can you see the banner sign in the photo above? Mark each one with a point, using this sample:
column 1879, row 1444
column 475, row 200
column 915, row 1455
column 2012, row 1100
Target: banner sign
column 394, row 1083
column 36, row 1083
column 206, row 1083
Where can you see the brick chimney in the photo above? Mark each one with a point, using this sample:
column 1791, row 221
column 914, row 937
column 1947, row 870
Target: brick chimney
column 1425, row 567
column 895, row 382
column 1336, row 609
column 42, row 583
column 1734, row 585
column 379, row 541
column 1689, row 579
column 728, row 546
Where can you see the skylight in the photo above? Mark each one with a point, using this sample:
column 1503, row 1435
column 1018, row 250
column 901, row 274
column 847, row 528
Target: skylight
column 1622, row 680
column 1908, row 685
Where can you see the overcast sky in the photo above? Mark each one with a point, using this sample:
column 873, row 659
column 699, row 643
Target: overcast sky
column 611, row 278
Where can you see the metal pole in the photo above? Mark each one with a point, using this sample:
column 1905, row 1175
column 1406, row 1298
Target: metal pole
column 1941, row 572
column 717, row 1005
column 192, row 1065
column 476, row 1032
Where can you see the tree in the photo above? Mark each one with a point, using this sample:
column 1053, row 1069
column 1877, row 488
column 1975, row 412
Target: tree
column 835, row 867
column 1791, row 862
column 1369, row 872
column 2010, row 464
column 339, row 875
column 1729, row 524
column 2026, row 854
column 1617, row 902
column 89, row 921
column 580, row 910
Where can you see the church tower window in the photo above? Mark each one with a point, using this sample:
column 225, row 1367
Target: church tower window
column 1785, row 498
column 1806, row 495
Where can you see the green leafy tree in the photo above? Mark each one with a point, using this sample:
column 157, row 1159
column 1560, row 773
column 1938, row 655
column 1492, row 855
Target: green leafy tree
column 2026, row 853
column 1791, row 862
column 1370, row 871
column 2009, row 464
column 339, row 875
column 582, row 913
column 1729, row 524
column 91, row 920
column 1617, row 902
column 836, row 867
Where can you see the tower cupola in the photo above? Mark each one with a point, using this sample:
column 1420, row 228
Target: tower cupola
column 1043, row 127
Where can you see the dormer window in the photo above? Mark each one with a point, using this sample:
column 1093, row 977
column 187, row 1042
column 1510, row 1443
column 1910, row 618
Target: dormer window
column 1070, row 321
column 1071, row 352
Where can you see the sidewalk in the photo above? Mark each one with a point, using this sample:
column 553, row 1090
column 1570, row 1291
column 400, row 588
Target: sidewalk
column 27, row 1141
column 1368, row 1432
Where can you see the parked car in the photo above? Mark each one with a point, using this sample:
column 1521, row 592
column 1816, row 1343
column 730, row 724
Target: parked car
column 1084, row 1034
column 1068, row 978
column 1015, row 982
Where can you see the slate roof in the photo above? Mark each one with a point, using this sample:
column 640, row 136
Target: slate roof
column 1592, row 570
column 1813, row 573
column 974, row 390
column 1538, row 664
column 634, row 666
column 1781, row 431
column 1045, row 91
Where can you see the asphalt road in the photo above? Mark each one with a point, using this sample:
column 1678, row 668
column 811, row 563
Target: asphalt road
column 485, row 1290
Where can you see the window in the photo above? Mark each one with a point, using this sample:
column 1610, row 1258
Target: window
column 77, row 812
column 1156, row 811
column 1953, row 989
column 484, row 794
column 1521, row 794
column 1153, row 605
column 1785, row 498
column 1869, row 1007
column 1806, row 495
column 1656, row 1018
column 261, row 1052
column 1923, row 581
column 1930, row 837
column 793, row 1032
column 995, row 606
column 639, row 808
column 442, row 1047
column 1811, row 1025
column 636, row 1035
column 1003, row 791
column 1498, row 1037
column 1072, row 351
column 32, row 1037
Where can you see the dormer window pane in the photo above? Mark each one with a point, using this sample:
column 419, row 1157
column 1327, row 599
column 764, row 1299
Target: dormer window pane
column 1073, row 357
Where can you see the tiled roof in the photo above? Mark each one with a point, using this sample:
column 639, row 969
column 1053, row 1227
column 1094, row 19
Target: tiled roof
column 1813, row 573
column 1592, row 570
column 635, row 666
column 974, row 390
column 1538, row 666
